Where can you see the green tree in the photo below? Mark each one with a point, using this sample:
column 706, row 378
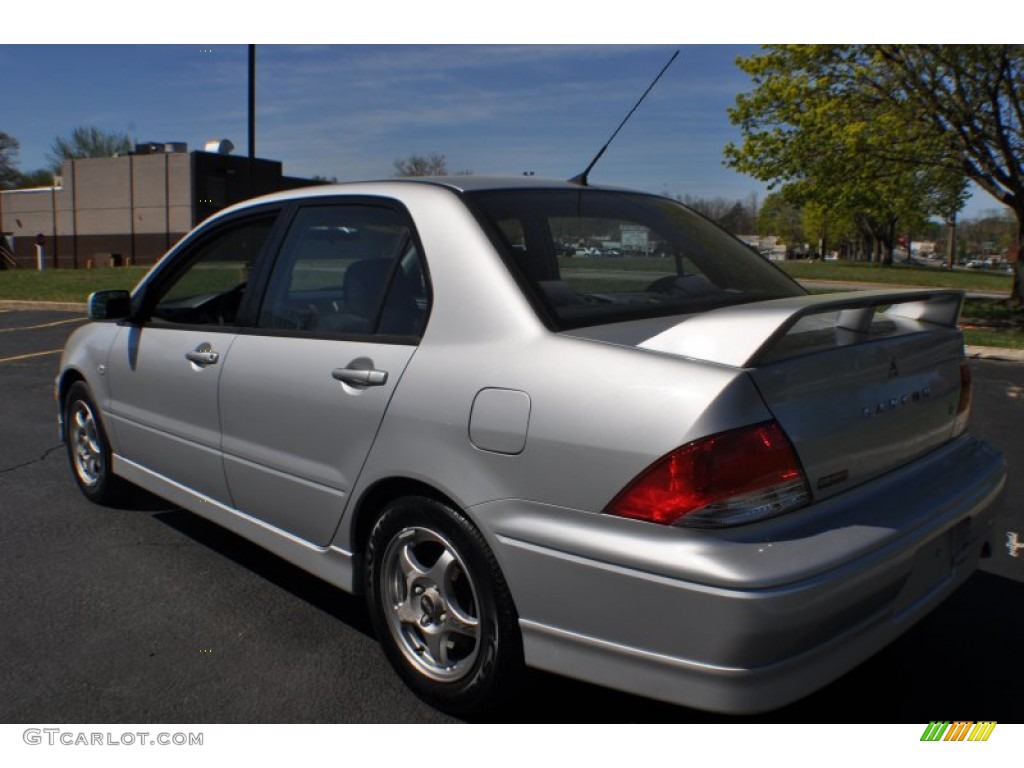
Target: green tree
column 41, row 177
column 736, row 216
column 87, row 141
column 972, row 96
column 987, row 235
column 948, row 111
column 433, row 164
column 9, row 175
column 781, row 218
column 814, row 127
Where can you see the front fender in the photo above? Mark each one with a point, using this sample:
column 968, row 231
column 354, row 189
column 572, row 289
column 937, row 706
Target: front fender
column 85, row 359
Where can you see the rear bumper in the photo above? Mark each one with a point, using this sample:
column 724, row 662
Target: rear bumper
column 755, row 617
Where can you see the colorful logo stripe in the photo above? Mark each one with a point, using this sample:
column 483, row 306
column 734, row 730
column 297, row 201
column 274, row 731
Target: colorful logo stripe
column 959, row 731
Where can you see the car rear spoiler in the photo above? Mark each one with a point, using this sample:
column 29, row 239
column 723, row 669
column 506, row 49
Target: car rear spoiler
column 746, row 335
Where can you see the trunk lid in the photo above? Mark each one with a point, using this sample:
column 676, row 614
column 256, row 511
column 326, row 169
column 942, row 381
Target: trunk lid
column 860, row 382
column 858, row 411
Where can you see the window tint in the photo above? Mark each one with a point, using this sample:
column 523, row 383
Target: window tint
column 347, row 270
column 594, row 256
column 211, row 289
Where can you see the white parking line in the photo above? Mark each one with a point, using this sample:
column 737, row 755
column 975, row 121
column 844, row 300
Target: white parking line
column 44, row 325
column 30, row 354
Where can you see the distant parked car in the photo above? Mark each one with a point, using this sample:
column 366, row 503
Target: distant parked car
column 697, row 483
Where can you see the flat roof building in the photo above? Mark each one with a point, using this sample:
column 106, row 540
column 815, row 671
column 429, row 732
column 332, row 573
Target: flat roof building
column 129, row 209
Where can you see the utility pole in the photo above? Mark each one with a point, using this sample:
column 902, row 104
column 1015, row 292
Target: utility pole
column 252, row 121
column 951, row 242
column 824, row 234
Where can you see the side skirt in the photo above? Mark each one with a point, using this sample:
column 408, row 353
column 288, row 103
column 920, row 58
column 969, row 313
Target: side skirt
column 333, row 565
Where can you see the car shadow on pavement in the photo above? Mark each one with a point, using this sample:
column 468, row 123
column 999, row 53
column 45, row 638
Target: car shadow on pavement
column 131, row 497
column 318, row 593
column 965, row 660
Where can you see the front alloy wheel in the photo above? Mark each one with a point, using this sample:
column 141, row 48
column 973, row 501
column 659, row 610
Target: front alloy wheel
column 84, row 443
column 88, row 447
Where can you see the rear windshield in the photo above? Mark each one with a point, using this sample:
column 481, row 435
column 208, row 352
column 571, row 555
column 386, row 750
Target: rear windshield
column 588, row 257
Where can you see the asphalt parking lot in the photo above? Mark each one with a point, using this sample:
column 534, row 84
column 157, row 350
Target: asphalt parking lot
column 147, row 613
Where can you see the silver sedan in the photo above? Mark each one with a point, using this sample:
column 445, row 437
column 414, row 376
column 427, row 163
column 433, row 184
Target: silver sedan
column 673, row 472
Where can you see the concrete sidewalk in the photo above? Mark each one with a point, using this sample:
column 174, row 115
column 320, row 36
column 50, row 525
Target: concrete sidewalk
column 996, row 353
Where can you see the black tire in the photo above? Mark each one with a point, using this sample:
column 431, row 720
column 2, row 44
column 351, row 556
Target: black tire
column 88, row 447
column 441, row 608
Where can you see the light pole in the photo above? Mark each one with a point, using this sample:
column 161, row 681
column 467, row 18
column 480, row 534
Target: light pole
column 252, row 119
column 951, row 242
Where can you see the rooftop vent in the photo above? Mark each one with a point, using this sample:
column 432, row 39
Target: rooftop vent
column 160, row 148
column 220, row 146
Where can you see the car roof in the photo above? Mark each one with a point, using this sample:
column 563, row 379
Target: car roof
column 466, row 183
column 389, row 186
column 472, row 183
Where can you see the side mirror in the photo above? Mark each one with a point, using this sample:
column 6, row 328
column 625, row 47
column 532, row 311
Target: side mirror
column 110, row 305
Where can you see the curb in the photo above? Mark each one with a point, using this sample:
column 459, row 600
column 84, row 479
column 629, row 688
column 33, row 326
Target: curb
column 995, row 353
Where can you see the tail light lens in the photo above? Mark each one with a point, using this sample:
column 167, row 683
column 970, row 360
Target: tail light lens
column 963, row 406
column 726, row 479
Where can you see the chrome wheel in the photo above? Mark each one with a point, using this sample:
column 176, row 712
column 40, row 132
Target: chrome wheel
column 430, row 604
column 85, row 444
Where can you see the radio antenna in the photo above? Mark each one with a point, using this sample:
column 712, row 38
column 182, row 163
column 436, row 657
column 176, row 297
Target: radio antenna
column 582, row 178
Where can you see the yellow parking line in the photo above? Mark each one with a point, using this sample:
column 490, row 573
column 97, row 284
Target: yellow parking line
column 45, row 325
column 30, row 354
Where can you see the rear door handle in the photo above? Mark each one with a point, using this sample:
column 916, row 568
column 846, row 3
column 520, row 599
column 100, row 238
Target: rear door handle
column 361, row 376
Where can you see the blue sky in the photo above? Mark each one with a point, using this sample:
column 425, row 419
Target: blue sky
column 351, row 110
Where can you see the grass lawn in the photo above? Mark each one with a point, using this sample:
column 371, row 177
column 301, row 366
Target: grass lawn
column 992, row 337
column 993, row 323
column 993, row 311
column 73, row 285
column 926, row 277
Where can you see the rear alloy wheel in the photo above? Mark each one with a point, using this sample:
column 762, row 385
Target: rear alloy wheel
column 440, row 606
column 88, row 447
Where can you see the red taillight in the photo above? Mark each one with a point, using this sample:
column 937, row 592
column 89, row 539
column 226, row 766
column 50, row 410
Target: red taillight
column 963, row 406
column 730, row 478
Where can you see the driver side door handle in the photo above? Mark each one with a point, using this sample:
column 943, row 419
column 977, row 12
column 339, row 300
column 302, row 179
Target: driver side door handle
column 361, row 377
column 202, row 356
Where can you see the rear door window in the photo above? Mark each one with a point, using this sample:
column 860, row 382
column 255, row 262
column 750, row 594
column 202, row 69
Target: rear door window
column 347, row 270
